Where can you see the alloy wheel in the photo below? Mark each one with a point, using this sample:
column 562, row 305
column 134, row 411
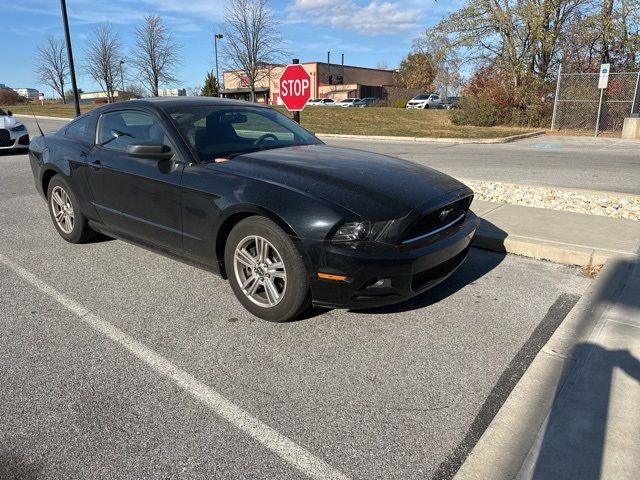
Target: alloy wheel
column 260, row 271
column 62, row 209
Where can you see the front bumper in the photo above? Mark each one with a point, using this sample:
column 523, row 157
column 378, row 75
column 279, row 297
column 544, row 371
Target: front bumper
column 416, row 105
column 376, row 278
column 10, row 140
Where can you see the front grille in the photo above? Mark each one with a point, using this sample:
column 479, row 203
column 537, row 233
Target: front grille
column 5, row 138
column 435, row 220
column 421, row 279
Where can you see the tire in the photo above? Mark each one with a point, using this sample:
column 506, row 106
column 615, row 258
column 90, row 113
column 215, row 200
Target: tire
column 288, row 276
column 72, row 225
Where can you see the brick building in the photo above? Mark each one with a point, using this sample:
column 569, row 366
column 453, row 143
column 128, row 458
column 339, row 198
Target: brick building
column 327, row 80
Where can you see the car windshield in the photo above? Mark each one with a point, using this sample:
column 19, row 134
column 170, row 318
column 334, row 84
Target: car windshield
column 421, row 97
column 215, row 132
column 2, row 112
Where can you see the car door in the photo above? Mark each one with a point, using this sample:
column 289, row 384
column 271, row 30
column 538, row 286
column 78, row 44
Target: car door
column 136, row 197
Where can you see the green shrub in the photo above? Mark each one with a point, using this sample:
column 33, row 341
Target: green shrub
column 537, row 116
column 401, row 103
column 477, row 110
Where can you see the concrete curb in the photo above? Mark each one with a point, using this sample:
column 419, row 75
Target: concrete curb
column 512, row 138
column 504, row 447
column 539, row 249
column 41, row 117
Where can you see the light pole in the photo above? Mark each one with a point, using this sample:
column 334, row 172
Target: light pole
column 121, row 75
column 72, row 70
column 217, row 36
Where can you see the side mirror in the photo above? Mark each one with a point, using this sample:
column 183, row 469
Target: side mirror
column 9, row 112
column 149, row 150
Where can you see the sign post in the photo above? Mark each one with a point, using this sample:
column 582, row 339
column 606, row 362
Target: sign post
column 295, row 88
column 41, row 98
column 603, row 82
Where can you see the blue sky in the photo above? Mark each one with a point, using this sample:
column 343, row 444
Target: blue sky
column 368, row 32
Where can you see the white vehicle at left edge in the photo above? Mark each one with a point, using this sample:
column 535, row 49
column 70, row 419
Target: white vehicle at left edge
column 13, row 134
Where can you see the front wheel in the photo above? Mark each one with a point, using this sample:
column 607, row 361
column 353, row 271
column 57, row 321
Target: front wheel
column 266, row 271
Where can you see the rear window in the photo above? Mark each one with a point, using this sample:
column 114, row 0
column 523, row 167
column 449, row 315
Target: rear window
column 79, row 129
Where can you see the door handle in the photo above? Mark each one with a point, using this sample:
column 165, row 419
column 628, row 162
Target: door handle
column 96, row 164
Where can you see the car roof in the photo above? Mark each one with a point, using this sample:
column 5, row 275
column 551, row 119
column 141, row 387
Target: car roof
column 164, row 103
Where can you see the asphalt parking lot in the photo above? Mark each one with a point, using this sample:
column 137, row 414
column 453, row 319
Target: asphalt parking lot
column 119, row 363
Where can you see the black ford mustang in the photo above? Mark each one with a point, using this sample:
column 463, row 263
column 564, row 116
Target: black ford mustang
column 243, row 191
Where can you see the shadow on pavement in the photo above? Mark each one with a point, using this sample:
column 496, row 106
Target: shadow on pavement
column 11, row 152
column 582, row 413
column 583, row 422
column 477, row 264
column 15, row 467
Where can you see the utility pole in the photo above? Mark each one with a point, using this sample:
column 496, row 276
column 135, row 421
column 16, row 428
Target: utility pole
column 72, row 70
column 217, row 36
column 121, row 75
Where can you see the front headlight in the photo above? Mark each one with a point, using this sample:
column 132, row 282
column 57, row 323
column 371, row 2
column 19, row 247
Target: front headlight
column 360, row 231
column 18, row 128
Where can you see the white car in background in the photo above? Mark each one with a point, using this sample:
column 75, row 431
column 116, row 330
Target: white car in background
column 424, row 100
column 348, row 102
column 324, row 102
column 13, row 134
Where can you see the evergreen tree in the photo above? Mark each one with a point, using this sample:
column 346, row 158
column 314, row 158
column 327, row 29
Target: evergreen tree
column 210, row 88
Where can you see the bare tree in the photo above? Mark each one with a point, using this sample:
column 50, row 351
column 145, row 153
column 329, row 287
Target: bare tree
column 155, row 55
column 252, row 40
column 52, row 65
column 103, row 55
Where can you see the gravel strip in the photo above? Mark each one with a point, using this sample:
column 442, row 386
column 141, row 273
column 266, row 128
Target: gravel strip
column 592, row 203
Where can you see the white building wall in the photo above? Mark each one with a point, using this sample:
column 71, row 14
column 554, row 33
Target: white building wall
column 31, row 93
column 172, row 92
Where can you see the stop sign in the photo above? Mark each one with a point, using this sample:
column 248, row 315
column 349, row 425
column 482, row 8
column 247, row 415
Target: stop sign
column 295, row 87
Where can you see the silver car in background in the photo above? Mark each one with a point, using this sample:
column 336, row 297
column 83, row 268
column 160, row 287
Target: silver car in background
column 13, row 134
column 348, row 102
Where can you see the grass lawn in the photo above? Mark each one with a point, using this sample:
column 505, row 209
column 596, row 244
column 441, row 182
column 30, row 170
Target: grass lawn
column 394, row 122
column 353, row 121
column 48, row 109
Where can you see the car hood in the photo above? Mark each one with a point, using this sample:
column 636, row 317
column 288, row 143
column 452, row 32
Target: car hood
column 8, row 122
column 370, row 185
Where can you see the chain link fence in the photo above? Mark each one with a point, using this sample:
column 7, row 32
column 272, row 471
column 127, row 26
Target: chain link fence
column 579, row 106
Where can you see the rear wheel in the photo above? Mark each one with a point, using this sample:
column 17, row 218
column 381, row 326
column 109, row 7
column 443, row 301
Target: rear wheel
column 266, row 271
column 65, row 212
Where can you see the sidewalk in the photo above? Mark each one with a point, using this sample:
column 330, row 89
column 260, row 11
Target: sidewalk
column 575, row 413
column 561, row 237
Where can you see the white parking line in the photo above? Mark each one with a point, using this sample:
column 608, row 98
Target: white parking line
column 282, row 446
column 607, row 147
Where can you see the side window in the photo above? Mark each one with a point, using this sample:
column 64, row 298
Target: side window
column 252, row 126
column 118, row 130
column 79, row 129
